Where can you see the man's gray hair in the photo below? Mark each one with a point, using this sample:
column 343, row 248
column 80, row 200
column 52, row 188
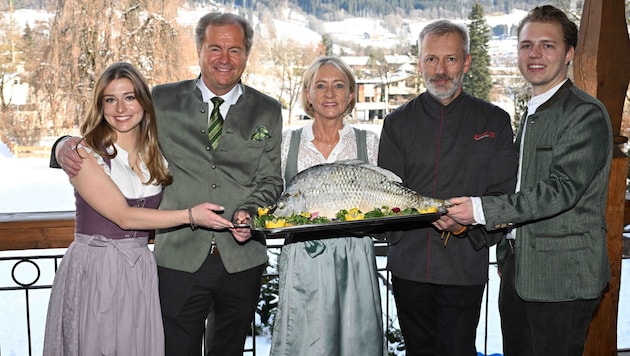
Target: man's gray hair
column 222, row 19
column 443, row 27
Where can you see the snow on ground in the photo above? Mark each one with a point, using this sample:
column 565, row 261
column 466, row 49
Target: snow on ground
column 28, row 185
column 23, row 17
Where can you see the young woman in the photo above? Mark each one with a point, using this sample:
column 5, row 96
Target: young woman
column 104, row 299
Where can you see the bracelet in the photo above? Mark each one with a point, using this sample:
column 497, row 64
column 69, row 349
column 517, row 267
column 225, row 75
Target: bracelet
column 460, row 231
column 193, row 226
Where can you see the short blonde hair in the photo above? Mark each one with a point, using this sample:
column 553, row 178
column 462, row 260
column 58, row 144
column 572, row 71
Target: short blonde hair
column 311, row 72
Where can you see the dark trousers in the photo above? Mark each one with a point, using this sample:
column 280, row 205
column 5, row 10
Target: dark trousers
column 541, row 328
column 438, row 320
column 188, row 298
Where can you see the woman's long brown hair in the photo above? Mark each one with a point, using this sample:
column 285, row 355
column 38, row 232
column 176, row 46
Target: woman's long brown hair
column 99, row 135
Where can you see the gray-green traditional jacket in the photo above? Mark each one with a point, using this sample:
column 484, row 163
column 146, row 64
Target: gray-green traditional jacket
column 559, row 212
column 242, row 173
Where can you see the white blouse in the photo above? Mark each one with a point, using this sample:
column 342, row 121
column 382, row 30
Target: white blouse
column 124, row 177
column 346, row 148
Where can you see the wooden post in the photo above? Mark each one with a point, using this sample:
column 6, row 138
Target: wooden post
column 601, row 68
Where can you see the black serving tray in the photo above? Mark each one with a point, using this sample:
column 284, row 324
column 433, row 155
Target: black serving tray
column 348, row 228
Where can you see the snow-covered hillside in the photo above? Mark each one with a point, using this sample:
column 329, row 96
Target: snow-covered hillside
column 292, row 24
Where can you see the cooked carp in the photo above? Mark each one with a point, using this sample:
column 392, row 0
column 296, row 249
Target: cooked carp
column 328, row 188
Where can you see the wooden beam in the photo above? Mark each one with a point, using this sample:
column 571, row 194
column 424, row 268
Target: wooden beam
column 602, row 334
column 601, row 61
column 26, row 231
column 601, row 68
column 36, row 230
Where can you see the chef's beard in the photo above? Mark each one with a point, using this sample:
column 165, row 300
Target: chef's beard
column 444, row 92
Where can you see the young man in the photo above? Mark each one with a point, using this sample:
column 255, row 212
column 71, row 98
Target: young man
column 554, row 264
column 444, row 143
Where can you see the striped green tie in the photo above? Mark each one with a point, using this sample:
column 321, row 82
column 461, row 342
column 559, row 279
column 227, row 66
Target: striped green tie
column 216, row 123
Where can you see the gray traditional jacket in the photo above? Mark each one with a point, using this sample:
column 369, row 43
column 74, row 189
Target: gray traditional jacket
column 560, row 210
column 243, row 173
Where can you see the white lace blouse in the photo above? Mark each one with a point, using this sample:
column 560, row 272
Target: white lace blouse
column 346, row 148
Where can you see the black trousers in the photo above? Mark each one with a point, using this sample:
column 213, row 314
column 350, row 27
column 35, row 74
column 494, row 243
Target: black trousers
column 541, row 328
column 438, row 320
column 187, row 299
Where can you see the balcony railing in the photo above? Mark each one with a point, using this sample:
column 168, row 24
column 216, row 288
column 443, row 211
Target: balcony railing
column 26, row 277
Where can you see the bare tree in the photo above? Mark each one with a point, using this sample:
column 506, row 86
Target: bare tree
column 7, row 68
column 291, row 59
column 86, row 36
column 378, row 67
column 19, row 124
column 283, row 58
column 519, row 90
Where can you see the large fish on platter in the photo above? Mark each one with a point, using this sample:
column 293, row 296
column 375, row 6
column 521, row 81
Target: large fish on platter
column 330, row 187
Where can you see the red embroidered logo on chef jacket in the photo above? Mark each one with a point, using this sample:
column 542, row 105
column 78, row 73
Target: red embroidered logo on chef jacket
column 486, row 134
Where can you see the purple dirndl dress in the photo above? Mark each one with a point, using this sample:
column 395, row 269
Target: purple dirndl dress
column 104, row 299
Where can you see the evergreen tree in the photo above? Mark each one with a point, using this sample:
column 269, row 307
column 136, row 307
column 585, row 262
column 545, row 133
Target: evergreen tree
column 477, row 81
column 328, row 42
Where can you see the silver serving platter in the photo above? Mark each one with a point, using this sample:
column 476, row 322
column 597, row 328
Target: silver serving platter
column 350, row 228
